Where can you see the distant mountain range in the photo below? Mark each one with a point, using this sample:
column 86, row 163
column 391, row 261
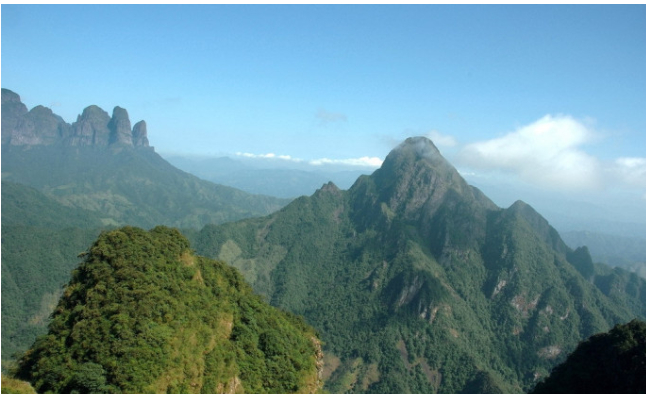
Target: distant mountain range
column 277, row 182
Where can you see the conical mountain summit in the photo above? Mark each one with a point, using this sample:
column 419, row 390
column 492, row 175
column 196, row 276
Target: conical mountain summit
column 415, row 175
column 418, row 283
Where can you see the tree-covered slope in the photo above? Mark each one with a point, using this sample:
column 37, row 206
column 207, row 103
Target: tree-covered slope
column 612, row 362
column 418, row 283
column 143, row 314
column 25, row 206
column 40, row 241
column 129, row 186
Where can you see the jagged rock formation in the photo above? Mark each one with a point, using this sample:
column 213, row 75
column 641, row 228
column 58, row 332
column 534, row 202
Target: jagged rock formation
column 140, row 134
column 91, row 128
column 94, row 127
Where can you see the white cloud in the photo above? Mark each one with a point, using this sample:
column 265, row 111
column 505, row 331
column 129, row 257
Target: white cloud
column 441, row 140
column 361, row 161
column 372, row 162
column 268, row 156
column 631, row 170
column 547, row 152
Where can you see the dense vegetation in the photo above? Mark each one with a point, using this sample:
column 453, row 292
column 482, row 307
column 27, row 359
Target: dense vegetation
column 419, row 284
column 40, row 241
column 612, row 362
column 142, row 314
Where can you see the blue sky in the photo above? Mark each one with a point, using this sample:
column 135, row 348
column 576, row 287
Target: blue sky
column 551, row 96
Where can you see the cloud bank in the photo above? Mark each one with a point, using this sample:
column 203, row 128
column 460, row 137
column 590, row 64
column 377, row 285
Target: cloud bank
column 268, row 156
column 547, row 152
column 550, row 153
column 370, row 162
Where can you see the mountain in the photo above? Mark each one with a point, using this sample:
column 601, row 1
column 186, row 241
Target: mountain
column 418, row 283
column 142, row 313
column 100, row 164
column 612, row 362
column 94, row 127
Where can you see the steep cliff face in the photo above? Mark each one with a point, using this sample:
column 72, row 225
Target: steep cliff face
column 40, row 126
column 140, row 134
column 94, row 127
column 91, row 128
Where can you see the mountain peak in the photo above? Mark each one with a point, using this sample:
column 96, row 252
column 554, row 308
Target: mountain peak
column 119, row 125
column 416, row 175
column 422, row 147
column 417, row 153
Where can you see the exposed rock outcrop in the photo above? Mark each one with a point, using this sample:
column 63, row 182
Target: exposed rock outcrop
column 119, row 125
column 94, row 127
column 140, row 134
column 91, row 128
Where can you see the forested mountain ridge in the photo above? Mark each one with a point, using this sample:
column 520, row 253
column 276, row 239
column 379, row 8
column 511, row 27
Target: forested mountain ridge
column 142, row 313
column 99, row 163
column 418, row 283
column 40, row 241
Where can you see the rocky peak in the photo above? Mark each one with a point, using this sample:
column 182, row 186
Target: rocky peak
column 94, row 127
column 119, row 125
column 40, row 126
column 140, row 134
column 91, row 128
column 10, row 97
column 12, row 112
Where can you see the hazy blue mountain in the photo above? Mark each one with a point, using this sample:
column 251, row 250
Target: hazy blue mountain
column 418, row 283
column 613, row 250
column 277, row 182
